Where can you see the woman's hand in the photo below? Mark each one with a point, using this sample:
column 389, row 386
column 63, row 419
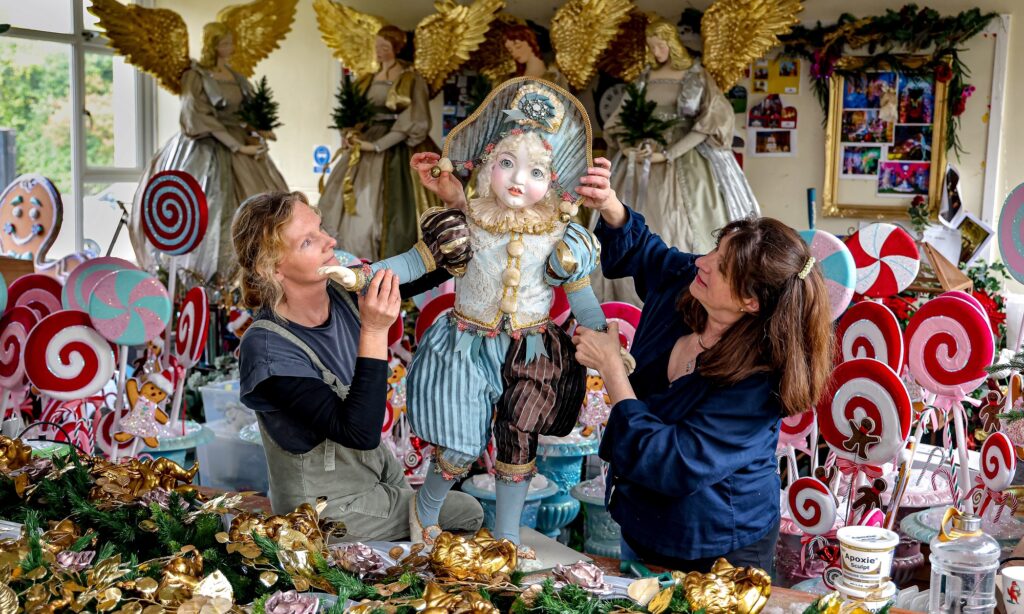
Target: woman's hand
column 599, row 351
column 595, row 188
column 446, row 185
column 379, row 307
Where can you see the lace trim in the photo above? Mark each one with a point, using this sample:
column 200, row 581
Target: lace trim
column 488, row 214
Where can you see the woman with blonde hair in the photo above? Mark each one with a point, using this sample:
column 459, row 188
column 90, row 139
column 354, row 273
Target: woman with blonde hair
column 314, row 369
column 212, row 148
column 728, row 344
column 692, row 185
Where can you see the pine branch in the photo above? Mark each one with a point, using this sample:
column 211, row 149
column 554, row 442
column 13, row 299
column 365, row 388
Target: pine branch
column 33, row 534
column 259, row 111
column 347, row 585
column 638, row 121
column 82, row 542
column 353, row 109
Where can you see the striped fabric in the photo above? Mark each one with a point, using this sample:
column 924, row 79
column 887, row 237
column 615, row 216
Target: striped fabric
column 541, row 397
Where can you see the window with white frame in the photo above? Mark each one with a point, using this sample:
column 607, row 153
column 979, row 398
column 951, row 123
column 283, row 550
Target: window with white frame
column 76, row 113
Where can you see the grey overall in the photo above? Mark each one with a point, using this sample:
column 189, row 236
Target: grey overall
column 366, row 489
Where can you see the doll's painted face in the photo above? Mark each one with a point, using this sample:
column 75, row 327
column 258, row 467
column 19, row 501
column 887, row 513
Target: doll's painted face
column 29, row 216
column 659, row 49
column 521, row 176
column 226, row 47
column 519, row 50
column 385, row 52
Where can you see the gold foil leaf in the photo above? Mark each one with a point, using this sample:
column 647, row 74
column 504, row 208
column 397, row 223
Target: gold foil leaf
column 642, row 591
column 215, row 586
column 8, row 600
column 660, row 602
column 132, row 607
column 153, row 609
column 146, row 586
column 222, row 538
column 268, row 578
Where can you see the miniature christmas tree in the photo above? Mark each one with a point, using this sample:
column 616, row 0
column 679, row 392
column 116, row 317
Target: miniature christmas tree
column 259, row 111
column 353, row 108
column 638, row 122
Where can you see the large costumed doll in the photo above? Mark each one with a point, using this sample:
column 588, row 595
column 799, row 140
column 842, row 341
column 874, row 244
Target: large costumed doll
column 212, row 143
column 686, row 181
column 372, row 199
column 497, row 363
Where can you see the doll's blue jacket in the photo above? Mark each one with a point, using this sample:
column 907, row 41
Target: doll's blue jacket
column 693, row 472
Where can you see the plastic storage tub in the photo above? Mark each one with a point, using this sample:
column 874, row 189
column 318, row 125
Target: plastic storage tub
column 221, row 403
column 229, row 463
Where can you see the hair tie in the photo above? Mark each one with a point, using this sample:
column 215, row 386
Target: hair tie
column 807, row 268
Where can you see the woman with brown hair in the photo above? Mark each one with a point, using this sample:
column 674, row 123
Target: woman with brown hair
column 521, row 43
column 728, row 344
column 314, row 369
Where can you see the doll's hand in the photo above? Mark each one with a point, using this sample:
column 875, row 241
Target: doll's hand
column 252, row 150
column 446, row 234
column 343, row 275
column 446, row 185
column 599, row 351
column 379, row 307
column 365, row 145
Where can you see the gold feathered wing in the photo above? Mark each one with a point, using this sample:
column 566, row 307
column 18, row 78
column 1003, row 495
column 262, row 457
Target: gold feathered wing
column 737, row 32
column 153, row 40
column 445, row 39
column 349, row 34
column 492, row 59
column 259, row 27
column 581, row 30
column 627, row 59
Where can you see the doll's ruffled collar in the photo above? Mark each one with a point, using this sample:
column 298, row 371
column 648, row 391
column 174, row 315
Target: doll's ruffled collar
column 495, row 218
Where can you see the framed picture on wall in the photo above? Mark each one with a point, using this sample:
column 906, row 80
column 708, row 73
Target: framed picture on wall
column 885, row 140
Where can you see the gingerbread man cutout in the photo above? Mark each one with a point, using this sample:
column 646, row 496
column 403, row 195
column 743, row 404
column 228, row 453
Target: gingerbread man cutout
column 989, row 412
column 861, row 437
column 141, row 400
column 30, row 216
column 827, row 477
column 870, row 497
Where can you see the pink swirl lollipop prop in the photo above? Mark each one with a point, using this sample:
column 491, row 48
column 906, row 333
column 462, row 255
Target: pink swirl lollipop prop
column 811, row 506
column 837, row 266
column 870, row 330
column 1011, row 229
column 174, row 212
column 886, row 257
column 15, row 326
column 65, row 358
column 866, row 413
column 129, row 307
column 80, row 283
column 949, row 344
column 39, row 292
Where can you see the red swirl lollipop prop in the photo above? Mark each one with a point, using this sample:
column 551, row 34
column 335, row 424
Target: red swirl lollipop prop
column 15, row 326
column 998, row 465
column 433, row 310
column 870, row 330
column 174, row 212
column 866, row 413
column 793, row 436
column 41, row 293
column 190, row 339
column 66, row 358
column 104, row 428
column 886, row 257
column 811, row 506
column 949, row 345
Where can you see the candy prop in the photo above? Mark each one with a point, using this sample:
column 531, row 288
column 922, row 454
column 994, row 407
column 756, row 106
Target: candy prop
column 865, row 417
column 41, row 293
column 30, row 215
column 104, row 428
column 793, row 437
column 174, row 215
column 65, row 358
column 837, row 266
column 1011, row 229
column 431, row 311
column 886, row 257
column 628, row 318
column 189, row 340
column 3, row 294
column 998, row 464
column 174, row 212
column 870, row 330
column 80, row 283
column 812, row 506
column 15, row 325
column 397, row 331
column 129, row 307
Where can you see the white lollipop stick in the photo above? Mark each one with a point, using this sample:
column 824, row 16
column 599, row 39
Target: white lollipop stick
column 172, row 278
column 964, row 475
column 814, row 446
column 176, row 403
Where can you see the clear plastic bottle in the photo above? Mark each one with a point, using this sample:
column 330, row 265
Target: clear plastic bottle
column 964, row 564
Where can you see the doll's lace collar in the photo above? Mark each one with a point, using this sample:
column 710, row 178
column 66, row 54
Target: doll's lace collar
column 495, row 218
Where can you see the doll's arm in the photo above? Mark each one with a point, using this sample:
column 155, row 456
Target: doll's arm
column 569, row 266
column 445, row 243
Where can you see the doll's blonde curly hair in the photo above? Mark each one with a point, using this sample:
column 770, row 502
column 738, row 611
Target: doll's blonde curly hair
column 678, row 57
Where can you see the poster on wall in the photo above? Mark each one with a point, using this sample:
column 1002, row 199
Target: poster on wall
column 778, row 76
column 886, row 139
column 772, row 128
column 772, row 143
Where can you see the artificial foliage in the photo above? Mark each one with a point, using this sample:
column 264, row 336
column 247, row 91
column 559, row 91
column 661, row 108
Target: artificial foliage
column 883, row 42
column 352, row 110
column 259, row 111
column 638, row 119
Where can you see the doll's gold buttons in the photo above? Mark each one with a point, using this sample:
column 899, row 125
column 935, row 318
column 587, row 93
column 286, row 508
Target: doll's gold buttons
column 510, row 277
column 568, row 209
column 515, row 248
column 508, row 304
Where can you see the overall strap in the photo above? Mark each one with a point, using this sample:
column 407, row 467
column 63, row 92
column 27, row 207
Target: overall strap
column 326, row 374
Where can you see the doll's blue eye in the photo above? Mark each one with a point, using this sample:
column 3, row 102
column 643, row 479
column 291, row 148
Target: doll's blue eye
column 538, row 173
column 505, row 163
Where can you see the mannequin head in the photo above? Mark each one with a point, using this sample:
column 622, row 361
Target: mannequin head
column 664, row 45
column 218, row 44
column 517, row 174
column 390, row 42
column 522, row 45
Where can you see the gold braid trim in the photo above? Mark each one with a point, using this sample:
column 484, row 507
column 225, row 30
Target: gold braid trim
column 576, row 286
column 426, row 256
column 515, row 473
column 447, row 468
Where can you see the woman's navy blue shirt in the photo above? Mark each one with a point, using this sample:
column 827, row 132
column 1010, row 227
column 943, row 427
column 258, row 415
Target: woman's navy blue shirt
column 692, row 464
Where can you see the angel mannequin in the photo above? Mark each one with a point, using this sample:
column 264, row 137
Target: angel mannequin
column 212, row 143
column 378, row 219
column 521, row 43
column 694, row 185
column 497, row 353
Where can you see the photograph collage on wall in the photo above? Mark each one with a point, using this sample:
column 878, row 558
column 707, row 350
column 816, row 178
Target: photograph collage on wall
column 771, row 128
column 886, row 131
column 778, row 76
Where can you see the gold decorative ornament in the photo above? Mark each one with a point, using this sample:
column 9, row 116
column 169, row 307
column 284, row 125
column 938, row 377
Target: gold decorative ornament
column 627, row 58
column 445, row 40
column 478, row 558
column 156, row 40
column 737, row 32
column 581, row 31
column 14, row 454
column 349, row 34
column 492, row 59
column 727, row 589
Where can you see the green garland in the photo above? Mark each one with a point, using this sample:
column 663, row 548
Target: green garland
column 921, row 32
